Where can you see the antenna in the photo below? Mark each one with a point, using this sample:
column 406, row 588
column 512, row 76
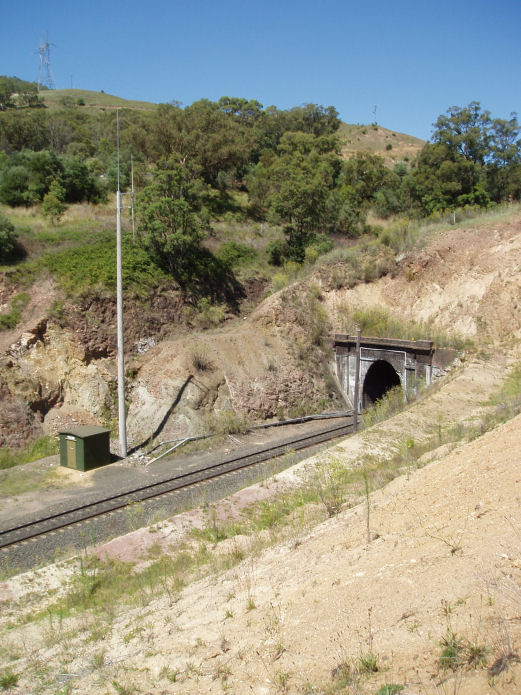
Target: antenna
column 45, row 76
column 374, row 115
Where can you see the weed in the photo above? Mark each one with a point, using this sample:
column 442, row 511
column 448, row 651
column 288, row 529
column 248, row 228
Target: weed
column 227, row 422
column 283, row 681
column 209, row 315
column 98, row 660
column 389, row 404
column 40, row 448
column 8, row 679
column 123, row 689
column 328, row 482
column 452, row 651
column 368, row 663
column 476, row 655
column 199, row 358
column 390, row 689
column 379, row 322
column 502, row 663
column 135, row 514
column 223, row 672
column 170, row 674
column 452, row 542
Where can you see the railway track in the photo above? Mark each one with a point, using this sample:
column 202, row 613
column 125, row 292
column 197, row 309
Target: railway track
column 34, row 529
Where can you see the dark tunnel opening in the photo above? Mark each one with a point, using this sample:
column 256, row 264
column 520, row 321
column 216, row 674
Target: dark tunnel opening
column 380, row 378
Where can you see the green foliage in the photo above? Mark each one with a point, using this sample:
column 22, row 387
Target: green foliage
column 7, row 239
column 391, row 403
column 235, row 254
column 363, row 262
column 378, row 322
column 17, row 93
column 26, row 177
column 18, row 304
column 8, row 679
column 40, row 448
column 472, row 160
column 94, row 265
column 368, row 663
column 52, row 204
column 328, row 481
column 170, row 222
column 452, row 651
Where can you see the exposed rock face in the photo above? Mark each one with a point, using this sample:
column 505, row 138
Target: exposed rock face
column 44, row 370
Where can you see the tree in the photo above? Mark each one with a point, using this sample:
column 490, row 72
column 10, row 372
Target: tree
column 170, row 219
column 505, row 165
column 473, row 159
column 52, row 204
column 465, row 131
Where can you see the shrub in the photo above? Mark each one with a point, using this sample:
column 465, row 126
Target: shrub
column 228, row 422
column 199, row 358
column 18, row 304
column 233, row 253
column 7, row 239
column 53, row 206
column 8, row 679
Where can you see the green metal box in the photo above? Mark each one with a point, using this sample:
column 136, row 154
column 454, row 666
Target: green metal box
column 84, row 448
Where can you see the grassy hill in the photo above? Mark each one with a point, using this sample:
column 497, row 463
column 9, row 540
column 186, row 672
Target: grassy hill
column 57, row 98
column 389, row 144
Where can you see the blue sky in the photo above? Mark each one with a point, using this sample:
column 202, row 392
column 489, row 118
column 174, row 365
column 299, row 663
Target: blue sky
column 410, row 59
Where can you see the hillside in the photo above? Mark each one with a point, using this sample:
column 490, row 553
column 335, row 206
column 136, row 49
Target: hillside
column 389, row 144
column 58, row 98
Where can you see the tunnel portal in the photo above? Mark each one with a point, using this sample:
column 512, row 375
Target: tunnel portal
column 380, row 378
column 385, row 363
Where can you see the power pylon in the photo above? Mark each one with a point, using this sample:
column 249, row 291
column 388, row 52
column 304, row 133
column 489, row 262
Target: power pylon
column 45, row 76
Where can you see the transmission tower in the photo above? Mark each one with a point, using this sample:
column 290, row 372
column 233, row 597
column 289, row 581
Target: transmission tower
column 45, row 76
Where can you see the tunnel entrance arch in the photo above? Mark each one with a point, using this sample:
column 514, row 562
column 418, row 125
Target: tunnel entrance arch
column 380, row 378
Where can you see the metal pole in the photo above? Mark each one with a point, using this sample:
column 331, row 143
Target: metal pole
column 357, row 380
column 119, row 310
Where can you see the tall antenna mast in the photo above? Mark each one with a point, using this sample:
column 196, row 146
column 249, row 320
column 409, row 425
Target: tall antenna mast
column 122, row 417
column 45, row 76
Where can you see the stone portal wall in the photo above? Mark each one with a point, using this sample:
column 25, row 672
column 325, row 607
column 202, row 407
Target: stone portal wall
column 412, row 360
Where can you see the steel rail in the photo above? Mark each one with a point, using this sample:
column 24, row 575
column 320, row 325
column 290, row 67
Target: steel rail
column 29, row 530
